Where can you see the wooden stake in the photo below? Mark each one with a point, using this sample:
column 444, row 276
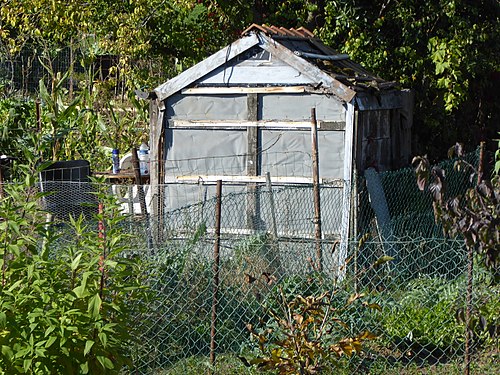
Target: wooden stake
column 316, row 190
column 213, row 328
column 141, row 195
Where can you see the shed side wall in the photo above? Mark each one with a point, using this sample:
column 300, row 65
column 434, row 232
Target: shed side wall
column 222, row 151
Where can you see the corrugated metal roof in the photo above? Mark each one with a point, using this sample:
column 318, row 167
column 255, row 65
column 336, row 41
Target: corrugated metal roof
column 303, row 43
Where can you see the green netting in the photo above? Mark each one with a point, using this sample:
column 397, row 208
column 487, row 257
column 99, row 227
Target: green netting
column 411, row 210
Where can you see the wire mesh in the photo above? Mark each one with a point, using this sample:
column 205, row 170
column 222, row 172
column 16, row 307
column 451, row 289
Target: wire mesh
column 268, row 244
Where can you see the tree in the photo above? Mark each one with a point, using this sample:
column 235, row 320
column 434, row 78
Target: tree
column 446, row 50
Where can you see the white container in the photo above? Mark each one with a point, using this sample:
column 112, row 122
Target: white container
column 144, row 159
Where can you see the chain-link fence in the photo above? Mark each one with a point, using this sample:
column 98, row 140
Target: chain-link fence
column 418, row 294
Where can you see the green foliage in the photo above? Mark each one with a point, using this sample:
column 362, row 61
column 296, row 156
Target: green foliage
column 423, row 314
column 226, row 364
column 446, row 51
column 65, row 306
column 181, row 277
column 306, row 335
column 84, row 125
column 17, row 121
column 473, row 216
column 427, row 317
column 60, row 118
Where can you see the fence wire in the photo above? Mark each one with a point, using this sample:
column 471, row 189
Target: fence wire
column 268, row 247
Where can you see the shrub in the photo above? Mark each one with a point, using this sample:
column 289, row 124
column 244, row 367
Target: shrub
column 306, row 334
column 65, row 307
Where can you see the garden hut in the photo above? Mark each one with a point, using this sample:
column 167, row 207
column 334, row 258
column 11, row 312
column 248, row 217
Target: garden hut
column 245, row 113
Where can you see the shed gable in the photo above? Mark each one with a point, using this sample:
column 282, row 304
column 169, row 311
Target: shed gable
column 256, row 66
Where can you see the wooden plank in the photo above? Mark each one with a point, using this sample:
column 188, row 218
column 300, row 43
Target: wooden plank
column 209, row 179
column 304, row 67
column 252, row 134
column 155, row 145
column 331, row 125
column 316, row 191
column 240, row 124
column 322, row 125
column 203, row 67
column 253, row 203
column 243, row 90
column 346, row 204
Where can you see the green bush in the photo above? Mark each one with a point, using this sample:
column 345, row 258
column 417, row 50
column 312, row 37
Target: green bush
column 65, row 307
column 423, row 315
column 307, row 335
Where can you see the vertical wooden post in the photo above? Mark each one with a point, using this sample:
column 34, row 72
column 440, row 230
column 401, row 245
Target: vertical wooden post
column 215, row 270
column 155, row 173
column 138, row 181
column 273, row 209
column 316, row 191
column 252, row 161
column 141, row 196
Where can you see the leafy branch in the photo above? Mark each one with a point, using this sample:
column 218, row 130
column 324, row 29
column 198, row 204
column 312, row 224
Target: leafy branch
column 307, row 335
column 475, row 215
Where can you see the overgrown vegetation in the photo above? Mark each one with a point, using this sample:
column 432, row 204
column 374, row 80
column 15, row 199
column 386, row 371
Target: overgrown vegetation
column 66, row 303
column 69, row 300
column 57, row 127
column 474, row 216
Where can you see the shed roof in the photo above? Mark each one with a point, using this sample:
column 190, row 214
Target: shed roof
column 305, row 44
column 335, row 73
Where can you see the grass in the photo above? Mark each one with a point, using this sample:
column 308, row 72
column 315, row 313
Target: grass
column 228, row 364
